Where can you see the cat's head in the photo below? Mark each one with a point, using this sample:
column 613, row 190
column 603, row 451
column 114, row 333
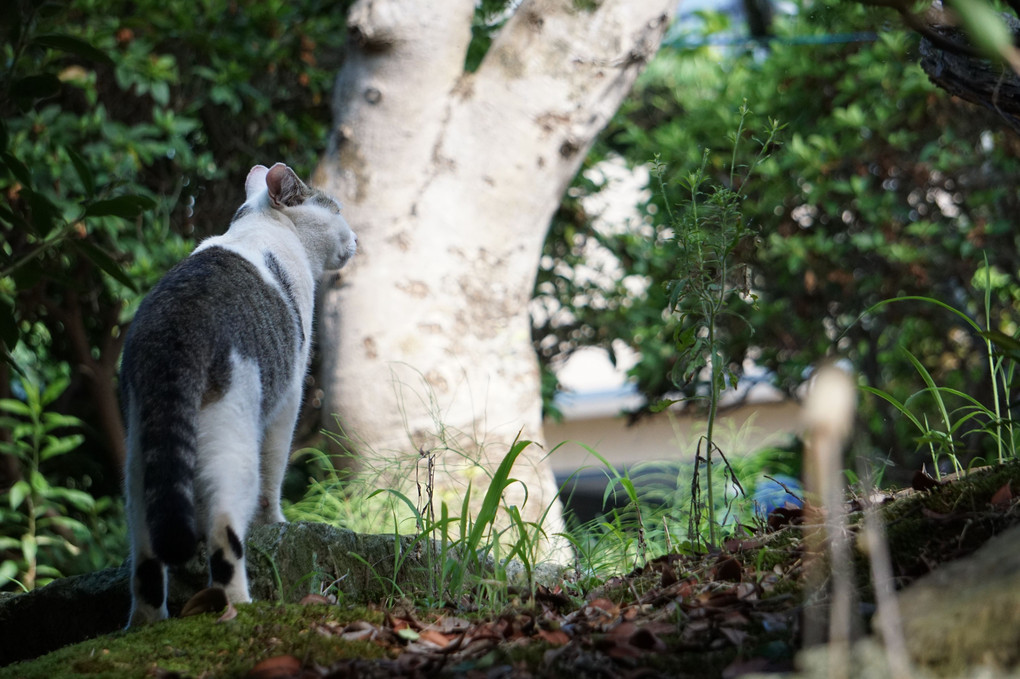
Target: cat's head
column 327, row 238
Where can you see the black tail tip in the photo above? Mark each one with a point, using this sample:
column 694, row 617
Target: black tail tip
column 174, row 545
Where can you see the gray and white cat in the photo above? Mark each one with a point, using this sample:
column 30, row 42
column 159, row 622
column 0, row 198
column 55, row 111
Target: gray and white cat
column 211, row 380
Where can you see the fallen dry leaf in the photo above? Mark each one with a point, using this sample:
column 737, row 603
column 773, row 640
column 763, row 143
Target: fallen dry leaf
column 450, row 625
column 790, row 515
column 359, row 631
column 1002, row 497
column 435, row 638
column 727, row 568
column 280, row 667
column 208, row 600
column 556, row 637
column 310, row 599
column 554, row 597
column 923, row 481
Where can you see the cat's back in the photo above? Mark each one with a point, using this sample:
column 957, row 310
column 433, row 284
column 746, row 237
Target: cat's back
column 213, row 303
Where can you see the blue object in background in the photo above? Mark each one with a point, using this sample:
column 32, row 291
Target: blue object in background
column 771, row 495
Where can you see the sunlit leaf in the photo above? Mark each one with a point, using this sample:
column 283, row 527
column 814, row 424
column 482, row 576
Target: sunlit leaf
column 60, row 446
column 29, row 547
column 14, row 406
column 18, row 492
column 8, row 571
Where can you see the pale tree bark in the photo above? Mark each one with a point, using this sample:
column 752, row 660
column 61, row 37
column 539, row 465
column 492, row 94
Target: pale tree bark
column 450, row 180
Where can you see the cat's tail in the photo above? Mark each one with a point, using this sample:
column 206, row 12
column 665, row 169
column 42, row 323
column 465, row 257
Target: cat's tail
column 167, row 416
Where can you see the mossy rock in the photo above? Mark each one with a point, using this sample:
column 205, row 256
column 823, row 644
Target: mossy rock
column 967, row 613
column 288, row 561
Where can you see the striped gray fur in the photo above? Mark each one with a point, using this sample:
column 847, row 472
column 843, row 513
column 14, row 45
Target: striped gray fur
column 287, row 286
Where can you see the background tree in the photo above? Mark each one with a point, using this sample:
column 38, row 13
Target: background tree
column 450, row 176
column 968, row 48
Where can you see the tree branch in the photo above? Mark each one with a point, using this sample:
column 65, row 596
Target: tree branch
column 974, row 79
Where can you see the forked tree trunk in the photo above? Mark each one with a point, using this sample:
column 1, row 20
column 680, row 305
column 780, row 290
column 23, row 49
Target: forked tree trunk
column 450, row 180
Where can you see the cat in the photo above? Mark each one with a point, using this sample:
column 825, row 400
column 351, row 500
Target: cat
column 211, row 380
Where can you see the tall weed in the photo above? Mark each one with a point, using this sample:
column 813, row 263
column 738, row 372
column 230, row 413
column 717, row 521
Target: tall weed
column 709, row 231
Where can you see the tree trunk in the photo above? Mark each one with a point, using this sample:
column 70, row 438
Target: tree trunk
column 450, row 180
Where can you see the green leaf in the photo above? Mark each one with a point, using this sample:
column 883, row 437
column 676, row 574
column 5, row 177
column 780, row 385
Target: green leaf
column 14, row 406
column 659, row 406
column 18, row 492
column 631, row 491
column 58, row 446
column 1008, row 346
column 36, row 86
column 53, row 421
column 29, row 548
column 79, row 499
column 44, row 213
column 88, row 179
column 127, row 207
column 65, row 523
column 105, row 262
column 160, row 92
column 8, row 571
column 53, row 390
column 39, row 482
column 17, row 168
column 490, row 503
column 73, row 45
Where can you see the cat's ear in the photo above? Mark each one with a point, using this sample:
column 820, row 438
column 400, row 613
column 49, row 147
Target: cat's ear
column 285, row 188
column 256, row 181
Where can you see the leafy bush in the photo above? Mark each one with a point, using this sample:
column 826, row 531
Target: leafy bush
column 126, row 131
column 119, row 146
column 47, row 527
column 885, row 187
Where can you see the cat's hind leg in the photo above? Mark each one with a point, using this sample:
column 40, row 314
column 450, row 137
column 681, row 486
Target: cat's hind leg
column 275, row 456
column 229, row 434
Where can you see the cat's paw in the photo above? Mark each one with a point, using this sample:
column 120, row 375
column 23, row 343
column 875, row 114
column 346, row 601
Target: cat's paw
column 143, row 614
column 269, row 511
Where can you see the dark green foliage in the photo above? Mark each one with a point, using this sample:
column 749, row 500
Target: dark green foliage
column 126, row 132
column 884, row 187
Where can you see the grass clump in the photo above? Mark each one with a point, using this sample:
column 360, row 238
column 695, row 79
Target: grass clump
column 475, row 550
